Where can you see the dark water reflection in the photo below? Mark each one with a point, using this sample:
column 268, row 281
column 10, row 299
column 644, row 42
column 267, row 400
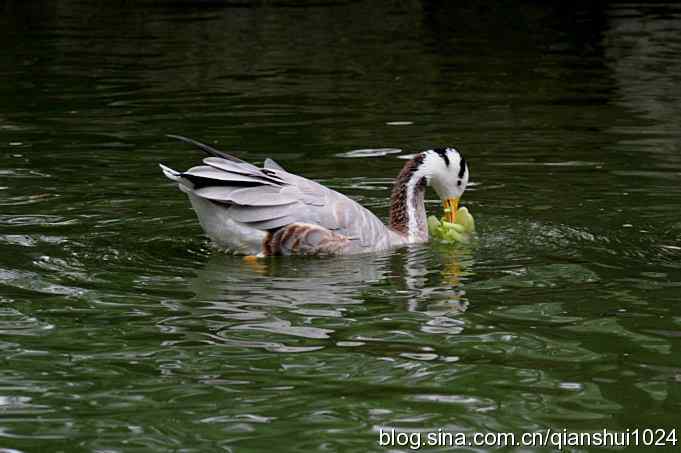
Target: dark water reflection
column 122, row 329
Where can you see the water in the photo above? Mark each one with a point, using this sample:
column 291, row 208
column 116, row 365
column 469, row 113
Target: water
column 122, row 329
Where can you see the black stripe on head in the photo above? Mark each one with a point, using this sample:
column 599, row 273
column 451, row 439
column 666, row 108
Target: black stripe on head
column 463, row 165
column 442, row 152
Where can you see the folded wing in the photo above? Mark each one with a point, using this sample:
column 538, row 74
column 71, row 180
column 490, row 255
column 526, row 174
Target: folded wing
column 270, row 198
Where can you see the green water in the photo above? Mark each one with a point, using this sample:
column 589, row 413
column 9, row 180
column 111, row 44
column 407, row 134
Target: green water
column 122, row 330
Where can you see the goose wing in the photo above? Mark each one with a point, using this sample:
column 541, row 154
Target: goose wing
column 334, row 211
column 270, row 198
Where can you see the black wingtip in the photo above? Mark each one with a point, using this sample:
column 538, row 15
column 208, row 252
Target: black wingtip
column 206, row 148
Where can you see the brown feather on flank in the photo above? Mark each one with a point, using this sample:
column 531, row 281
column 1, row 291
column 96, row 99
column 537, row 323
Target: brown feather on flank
column 399, row 217
column 304, row 239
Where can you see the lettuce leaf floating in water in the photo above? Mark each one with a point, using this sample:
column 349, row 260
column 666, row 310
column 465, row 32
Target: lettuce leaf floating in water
column 461, row 230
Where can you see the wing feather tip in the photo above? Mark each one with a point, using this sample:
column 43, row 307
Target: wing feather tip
column 206, row 148
column 170, row 173
column 270, row 164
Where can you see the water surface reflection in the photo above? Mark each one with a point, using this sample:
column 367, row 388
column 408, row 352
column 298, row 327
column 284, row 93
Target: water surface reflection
column 309, row 299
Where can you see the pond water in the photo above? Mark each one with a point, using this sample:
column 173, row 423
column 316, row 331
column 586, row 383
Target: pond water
column 122, row 329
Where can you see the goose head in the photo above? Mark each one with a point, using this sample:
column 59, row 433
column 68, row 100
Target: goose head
column 446, row 171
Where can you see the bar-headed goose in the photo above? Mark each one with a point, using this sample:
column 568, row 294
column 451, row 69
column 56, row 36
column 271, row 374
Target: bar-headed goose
column 269, row 211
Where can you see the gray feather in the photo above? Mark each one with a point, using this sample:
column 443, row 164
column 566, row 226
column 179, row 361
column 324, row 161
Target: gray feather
column 311, row 192
column 216, row 193
column 261, row 196
column 327, row 218
column 273, row 223
column 272, row 165
column 261, row 213
column 207, row 172
column 170, row 173
column 239, row 168
column 308, row 197
column 227, row 165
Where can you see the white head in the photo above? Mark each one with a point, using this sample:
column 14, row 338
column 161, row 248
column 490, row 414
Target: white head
column 447, row 172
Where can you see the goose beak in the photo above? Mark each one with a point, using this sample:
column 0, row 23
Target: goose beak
column 450, row 205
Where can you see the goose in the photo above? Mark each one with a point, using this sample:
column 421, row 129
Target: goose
column 268, row 211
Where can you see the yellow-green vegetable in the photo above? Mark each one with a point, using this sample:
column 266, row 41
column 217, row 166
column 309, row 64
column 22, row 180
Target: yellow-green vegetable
column 460, row 231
